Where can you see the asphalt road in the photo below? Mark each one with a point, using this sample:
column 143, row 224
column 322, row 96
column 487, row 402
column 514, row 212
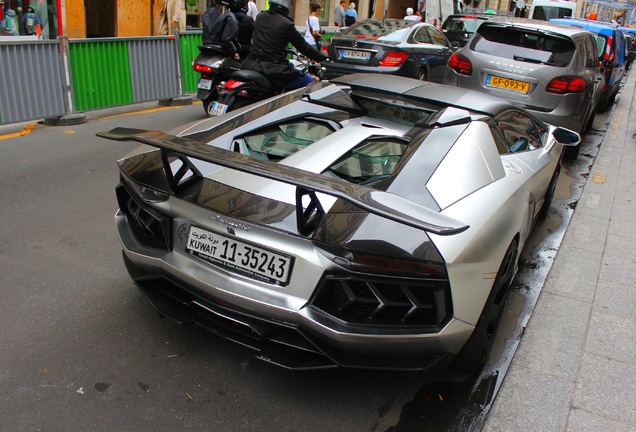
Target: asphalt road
column 81, row 349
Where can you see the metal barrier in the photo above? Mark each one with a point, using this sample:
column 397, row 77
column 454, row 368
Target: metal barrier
column 118, row 71
column 31, row 80
column 48, row 79
column 188, row 47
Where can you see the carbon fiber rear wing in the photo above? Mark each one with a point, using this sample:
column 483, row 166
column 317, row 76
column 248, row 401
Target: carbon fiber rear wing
column 377, row 202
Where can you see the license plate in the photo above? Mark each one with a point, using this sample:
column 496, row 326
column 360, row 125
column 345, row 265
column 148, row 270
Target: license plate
column 204, row 84
column 245, row 258
column 217, row 109
column 507, row 83
column 359, row 55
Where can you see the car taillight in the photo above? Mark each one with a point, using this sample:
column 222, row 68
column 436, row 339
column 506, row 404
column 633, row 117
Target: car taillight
column 232, row 84
column 201, row 68
column 361, row 262
column 566, row 84
column 394, row 58
column 460, row 64
column 609, row 54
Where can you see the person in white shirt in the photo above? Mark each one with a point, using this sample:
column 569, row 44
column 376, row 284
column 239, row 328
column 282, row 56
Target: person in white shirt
column 313, row 26
column 252, row 10
column 410, row 16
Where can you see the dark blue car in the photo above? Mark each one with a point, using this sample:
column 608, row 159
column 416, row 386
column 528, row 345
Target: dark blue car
column 389, row 46
column 611, row 49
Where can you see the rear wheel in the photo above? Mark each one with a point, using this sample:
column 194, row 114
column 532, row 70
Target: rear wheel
column 208, row 101
column 422, row 75
column 474, row 354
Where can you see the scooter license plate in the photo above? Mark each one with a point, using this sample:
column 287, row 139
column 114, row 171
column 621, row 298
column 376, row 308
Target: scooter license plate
column 205, row 84
column 217, row 109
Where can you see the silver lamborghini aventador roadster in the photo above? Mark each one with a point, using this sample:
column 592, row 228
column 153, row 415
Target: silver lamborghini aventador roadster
column 371, row 221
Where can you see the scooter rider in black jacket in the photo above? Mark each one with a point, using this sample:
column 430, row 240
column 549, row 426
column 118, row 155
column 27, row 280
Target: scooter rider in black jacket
column 273, row 30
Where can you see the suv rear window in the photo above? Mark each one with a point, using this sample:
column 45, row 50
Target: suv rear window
column 522, row 45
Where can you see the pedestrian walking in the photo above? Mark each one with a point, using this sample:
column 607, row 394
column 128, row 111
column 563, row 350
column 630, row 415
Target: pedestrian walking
column 351, row 16
column 411, row 16
column 30, row 21
column 252, row 9
column 313, row 34
column 171, row 17
column 339, row 14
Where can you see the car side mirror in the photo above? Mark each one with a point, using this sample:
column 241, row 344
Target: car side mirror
column 566, row 137
column 606, row 64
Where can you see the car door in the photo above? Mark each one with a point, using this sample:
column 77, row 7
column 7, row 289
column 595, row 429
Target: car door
column 529, row 150
column 589, row 60
column 432, row 50
column 442, row 52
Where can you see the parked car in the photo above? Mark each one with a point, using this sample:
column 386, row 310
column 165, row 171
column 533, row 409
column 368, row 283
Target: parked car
column 611, row 51
column 389, row 46
column 630, row 46
column 551, row 70
column 372, row 221
column 461, row 27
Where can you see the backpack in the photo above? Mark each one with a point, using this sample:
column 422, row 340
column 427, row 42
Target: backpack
column 209, row 18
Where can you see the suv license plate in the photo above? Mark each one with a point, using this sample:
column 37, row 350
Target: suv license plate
column 217, row 109
column 253, row 261
column 507, row 83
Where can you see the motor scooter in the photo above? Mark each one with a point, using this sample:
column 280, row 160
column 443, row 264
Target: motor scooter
column 247, row 86
column 215, row 66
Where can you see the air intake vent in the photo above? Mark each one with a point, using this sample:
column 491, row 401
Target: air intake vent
column 375, row 302
column 151, row 228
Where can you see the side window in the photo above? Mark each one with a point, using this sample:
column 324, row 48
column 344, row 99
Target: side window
column 422, row 36
column 437, row 36
column 591, row 59
column 520, row 132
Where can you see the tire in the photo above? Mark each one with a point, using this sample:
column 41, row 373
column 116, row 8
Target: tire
column 208, row 101
column 474, row 353
column 603, row 105
column 549, row 195
column 422, row 75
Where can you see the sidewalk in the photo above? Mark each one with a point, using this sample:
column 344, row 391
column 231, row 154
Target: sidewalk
column 575, row 368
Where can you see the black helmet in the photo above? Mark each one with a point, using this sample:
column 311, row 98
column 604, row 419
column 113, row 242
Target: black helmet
column 230, row 4
column 240, row 6
column 283, row 7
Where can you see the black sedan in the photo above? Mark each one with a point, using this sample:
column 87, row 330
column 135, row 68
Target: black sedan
column 389, row 46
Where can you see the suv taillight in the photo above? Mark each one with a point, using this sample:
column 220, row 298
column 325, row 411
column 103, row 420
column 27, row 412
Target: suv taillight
column 460, row 64
column 566, row 84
